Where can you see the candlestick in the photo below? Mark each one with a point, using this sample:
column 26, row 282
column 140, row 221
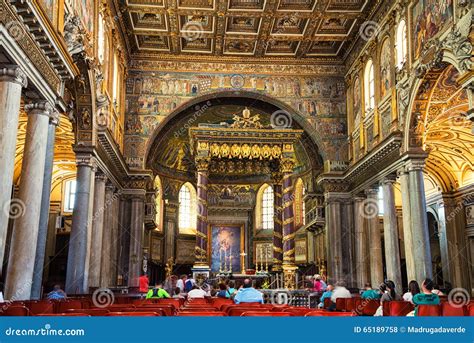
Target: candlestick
column 242, row 261
column 230, row 264
column 220, row 260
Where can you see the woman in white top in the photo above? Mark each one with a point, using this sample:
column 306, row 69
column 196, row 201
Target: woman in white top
column 413, row 289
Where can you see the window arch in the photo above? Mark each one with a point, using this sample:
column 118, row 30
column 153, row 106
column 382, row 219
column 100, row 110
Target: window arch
column 101, row 39
column 298, row 204
column 401, row 44
column 265, row 211
column 369, row 85
column 187, row 215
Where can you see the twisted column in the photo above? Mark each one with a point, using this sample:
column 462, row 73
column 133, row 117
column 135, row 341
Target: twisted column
column 278, row 223
column 289, row 267
column 200, row 251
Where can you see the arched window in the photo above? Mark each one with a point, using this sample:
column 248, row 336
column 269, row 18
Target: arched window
column 187, row 209
column 264, row 208
column 369, row 85
column 267, row 208
column 101, row 39
column 69, row 195
column 401, row 45
column 299, row 206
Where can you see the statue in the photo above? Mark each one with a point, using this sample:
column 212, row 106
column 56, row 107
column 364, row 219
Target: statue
column 74, row 35
column 169, row 267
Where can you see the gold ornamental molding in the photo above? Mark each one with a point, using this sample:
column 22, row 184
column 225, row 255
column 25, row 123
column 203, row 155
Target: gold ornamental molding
column 29, row 46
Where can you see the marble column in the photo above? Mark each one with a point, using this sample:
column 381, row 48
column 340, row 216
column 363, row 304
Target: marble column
column 116, row 238
column 419, row 221
column 333, row 237
column 361, row 240
column 371, row 214
column 25, row 233
column 108, row 239
column 137, row 227
column 170, row 224
column 390, row 230
column 277, row 226
column 407, row 229
column 44, row 215
column 77, row 267
column 201, row 253
column 289, row 267
column 12, row 80
column 97, row 233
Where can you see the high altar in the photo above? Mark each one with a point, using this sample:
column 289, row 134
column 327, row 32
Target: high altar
column 237, row 148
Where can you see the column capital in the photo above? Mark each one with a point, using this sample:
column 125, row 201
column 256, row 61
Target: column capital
column 85, row 161
column 372, row 192
column 100, row 176
column 202, row 164
column 415, row 165
column 287, row 165
column 389, row 179
column 41, row 107
column 14, row 74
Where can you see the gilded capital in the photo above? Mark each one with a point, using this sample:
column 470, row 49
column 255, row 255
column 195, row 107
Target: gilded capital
column 202, row 164
column 15, row 75
column 287, row 165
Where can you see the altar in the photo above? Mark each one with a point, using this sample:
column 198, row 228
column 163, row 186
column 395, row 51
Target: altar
column 245, row 147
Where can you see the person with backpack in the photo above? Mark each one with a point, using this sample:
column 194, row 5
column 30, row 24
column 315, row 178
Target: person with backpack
column 157, row 292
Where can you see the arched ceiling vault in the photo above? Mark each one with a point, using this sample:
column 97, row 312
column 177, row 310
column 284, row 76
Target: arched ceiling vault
column 64, row 157
column 446, row 132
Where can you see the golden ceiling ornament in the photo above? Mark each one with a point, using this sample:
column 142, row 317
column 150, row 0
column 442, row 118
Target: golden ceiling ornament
column 246, row 121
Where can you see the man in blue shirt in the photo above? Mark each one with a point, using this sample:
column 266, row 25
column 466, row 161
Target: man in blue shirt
column 248, row 294
column 325, row 295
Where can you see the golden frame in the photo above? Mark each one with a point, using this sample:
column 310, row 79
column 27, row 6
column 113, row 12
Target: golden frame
column 306, row 250
column 209, row 238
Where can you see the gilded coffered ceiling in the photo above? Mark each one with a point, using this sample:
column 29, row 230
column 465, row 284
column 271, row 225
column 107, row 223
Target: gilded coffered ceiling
column 243, row 28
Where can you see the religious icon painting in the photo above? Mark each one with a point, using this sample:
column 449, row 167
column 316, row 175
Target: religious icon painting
column 226, row 243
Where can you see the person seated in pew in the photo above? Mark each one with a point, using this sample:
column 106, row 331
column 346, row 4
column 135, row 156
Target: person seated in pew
column 388, row 294
column 143, row 284
column 230, row 290
column 248, row 294
column 413, row 289
column 426, row 297
column 370, row 293
column 197, row 293
column 157, row 292
column 327, row 294
column 56, row 294
column 436, row 290
column 178, row 294
column 222, row 293
column 339, row 292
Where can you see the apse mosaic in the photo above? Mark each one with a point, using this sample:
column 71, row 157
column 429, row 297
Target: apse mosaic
column 152, row 97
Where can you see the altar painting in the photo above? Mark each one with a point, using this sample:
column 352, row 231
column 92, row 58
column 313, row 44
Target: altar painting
column 227, row 242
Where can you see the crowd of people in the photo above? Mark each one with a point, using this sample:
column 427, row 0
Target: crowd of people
column 428, row 294
column 186, row 287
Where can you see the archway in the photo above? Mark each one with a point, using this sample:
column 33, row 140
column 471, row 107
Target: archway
column 438, row 128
